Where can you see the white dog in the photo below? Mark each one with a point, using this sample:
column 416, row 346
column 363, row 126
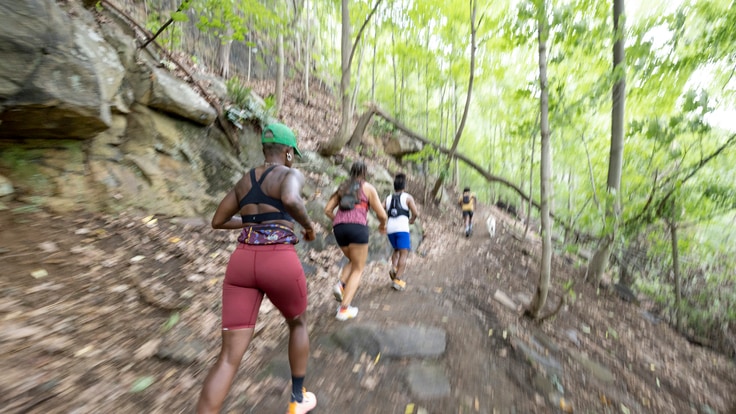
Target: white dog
column 491, row 225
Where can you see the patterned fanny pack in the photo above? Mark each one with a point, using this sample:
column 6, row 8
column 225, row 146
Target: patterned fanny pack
column 265, row 234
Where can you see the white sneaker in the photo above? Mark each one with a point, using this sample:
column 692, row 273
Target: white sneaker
column 309, row 401
column 337, row 290
column 344, row 314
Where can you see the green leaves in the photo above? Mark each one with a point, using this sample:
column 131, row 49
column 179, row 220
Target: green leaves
column 180, row 17
column 141, row 384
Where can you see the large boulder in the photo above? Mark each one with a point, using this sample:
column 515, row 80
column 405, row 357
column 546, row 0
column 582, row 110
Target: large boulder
column 57, row 77
column 398, row 145
column 159, row 89
column 160, row 163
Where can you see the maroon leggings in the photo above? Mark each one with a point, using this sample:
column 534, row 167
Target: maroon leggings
column 255, row 270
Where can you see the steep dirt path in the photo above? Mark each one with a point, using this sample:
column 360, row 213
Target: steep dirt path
column 119, row 314
column 475, row 362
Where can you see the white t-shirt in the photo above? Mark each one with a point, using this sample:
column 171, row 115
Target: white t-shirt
column 401, row 223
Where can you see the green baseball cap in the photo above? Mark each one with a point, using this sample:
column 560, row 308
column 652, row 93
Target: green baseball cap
column 280, row 134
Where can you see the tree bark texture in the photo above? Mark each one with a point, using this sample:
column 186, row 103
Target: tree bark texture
column 615, row 160
column 280, row 75
column 540, row 297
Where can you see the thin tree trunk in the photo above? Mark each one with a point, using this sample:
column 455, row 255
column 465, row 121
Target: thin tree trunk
column 280, row 75
column 345, row 77
column 373, row 64
column 360, row 128
column 356, row 89
column 402, row 92
column 307, row 54
column 250, row 54
column 338, row 141
column 223, row 55
column 531, row 184
column 394, row 58
column 426, row 93
column 164, row 26
column 540, row 297
column 615, row 161
column 471, row 78
column 676, row 266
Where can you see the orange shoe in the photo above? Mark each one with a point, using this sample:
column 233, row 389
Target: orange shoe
column 398, row 284
column 309, row 401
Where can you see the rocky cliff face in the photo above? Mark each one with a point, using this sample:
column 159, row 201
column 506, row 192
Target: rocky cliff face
column 89, row 121
column 86, row 115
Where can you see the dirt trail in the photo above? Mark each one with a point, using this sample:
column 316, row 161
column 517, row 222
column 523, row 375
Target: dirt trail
column 476, row 363
column 102, row 329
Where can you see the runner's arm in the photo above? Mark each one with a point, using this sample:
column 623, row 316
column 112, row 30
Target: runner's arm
column 223, row 217
column 377, row 206
column 291, row 196
column 331, row 205
column 413, row 208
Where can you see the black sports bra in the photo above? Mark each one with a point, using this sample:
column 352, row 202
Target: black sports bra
column 257, row 196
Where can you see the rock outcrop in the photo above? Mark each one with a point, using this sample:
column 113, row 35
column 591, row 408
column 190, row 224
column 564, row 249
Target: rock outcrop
column 86, row 115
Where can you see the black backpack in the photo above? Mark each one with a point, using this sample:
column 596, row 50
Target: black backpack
column 351, row 197
column 395, row 209
column 466, row 199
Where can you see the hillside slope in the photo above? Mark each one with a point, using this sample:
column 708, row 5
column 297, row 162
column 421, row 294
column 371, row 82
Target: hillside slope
column 96, row 331
column 120, row 313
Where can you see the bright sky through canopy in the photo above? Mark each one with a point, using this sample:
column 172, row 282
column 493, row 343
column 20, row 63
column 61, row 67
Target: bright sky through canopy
column 721, row 117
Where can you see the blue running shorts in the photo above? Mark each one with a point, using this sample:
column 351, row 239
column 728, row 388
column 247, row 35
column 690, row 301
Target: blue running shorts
column 400, row 240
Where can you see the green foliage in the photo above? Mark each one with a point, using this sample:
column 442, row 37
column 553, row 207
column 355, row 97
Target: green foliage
column 234, row 19
column 679, row 68
column 171, row 322
column 142, row 383
column 380, row 127
column 156, row 18
column 239, row 94
column 245, row 107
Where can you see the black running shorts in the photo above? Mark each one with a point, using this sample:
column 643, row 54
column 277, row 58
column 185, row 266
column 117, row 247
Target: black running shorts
column 349, row 233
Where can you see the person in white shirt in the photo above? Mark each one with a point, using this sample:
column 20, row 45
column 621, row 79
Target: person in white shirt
column 402, row 212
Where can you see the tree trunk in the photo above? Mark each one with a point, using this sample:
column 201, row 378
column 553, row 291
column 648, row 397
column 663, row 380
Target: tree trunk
column 223, row 57
column 615, row 161
column 676, row 266
column 540, row 297
column 250, row 54
column 337, row 142
column 361, row 127
column 280, row 75
column 373, row 64
column 356, row 89
column 394, row 58
column 531, row 185
column 459, row 133
column 307, row 55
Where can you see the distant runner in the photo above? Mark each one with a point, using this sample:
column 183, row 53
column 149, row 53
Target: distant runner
column 467, row 202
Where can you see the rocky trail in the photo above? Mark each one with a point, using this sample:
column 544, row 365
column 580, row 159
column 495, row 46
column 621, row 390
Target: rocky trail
column 120, row 314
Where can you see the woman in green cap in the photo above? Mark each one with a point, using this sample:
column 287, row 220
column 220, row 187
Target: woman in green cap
column 268, row 199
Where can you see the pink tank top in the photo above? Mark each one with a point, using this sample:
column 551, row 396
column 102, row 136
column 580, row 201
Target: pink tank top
column 358, row 215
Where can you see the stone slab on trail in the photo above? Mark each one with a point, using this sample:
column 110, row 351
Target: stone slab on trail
column 401, row 341
column 427, row 381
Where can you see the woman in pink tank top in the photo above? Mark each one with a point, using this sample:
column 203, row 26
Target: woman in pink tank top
column 348, row 209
